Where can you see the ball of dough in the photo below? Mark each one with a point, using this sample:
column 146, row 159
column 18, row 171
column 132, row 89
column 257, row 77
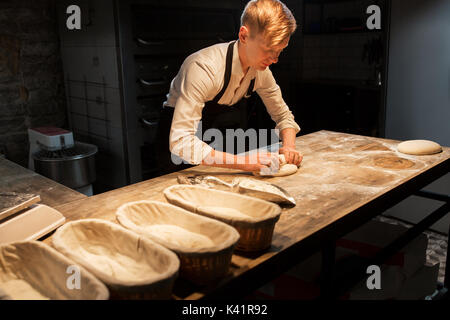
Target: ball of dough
column 419, row 147
column 285, row 169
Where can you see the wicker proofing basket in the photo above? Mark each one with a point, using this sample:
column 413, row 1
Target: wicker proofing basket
column 132, row 266
column 255, row 227
column 200, row 263
column 38, row 268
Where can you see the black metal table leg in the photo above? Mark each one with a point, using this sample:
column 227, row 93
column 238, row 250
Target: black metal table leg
column 447, row 263
column 445, row 198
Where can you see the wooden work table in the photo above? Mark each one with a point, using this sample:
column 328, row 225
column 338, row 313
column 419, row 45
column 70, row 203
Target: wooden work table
column 15, row 178
column 343, row 182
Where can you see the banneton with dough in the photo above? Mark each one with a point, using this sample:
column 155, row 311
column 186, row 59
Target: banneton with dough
column 130, row 265
column 253, row 218
column 419, row 147
column 286, row 169
column 32, row 270
column 204, row 245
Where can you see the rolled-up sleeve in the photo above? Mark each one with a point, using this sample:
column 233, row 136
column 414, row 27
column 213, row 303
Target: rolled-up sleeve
column 195, row 85
column 270, row 93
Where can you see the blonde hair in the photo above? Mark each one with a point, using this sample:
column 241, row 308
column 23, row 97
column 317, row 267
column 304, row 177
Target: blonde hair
column 270, row 18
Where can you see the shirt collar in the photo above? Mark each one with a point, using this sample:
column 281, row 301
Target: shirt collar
column 236, row 69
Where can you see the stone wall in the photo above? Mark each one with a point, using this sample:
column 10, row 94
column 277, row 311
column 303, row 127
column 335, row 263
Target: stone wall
column 31, row 77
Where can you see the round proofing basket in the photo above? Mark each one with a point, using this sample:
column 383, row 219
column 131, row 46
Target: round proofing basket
column 255, row 225
column 132, row 266
column 201, row 262
column 42, row 272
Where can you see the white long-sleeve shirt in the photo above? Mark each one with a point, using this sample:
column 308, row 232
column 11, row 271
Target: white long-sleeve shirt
column 200, row 79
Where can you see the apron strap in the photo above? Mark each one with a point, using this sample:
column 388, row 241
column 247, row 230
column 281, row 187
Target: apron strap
column 250, row 88
column 227, row 75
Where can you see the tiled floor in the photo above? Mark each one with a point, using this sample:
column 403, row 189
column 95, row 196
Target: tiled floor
column 437, row 246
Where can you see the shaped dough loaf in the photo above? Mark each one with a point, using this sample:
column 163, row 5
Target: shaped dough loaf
column 286, row 169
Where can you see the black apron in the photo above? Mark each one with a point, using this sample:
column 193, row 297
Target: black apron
column 214, row 115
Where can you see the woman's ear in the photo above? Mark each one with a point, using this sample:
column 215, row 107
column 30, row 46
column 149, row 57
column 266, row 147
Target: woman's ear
column 244, row 34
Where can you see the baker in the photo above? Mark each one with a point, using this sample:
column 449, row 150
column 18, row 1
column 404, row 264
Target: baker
column 214, row 81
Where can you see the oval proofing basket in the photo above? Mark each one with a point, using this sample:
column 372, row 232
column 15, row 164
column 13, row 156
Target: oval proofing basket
column 253, row 218
column 132, row 266
column 32, row 270
column 204, row 245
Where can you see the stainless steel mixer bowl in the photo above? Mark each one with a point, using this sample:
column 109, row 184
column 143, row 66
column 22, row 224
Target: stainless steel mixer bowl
column 74, row 167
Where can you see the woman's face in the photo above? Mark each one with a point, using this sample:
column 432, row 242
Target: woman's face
column 260, row 55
